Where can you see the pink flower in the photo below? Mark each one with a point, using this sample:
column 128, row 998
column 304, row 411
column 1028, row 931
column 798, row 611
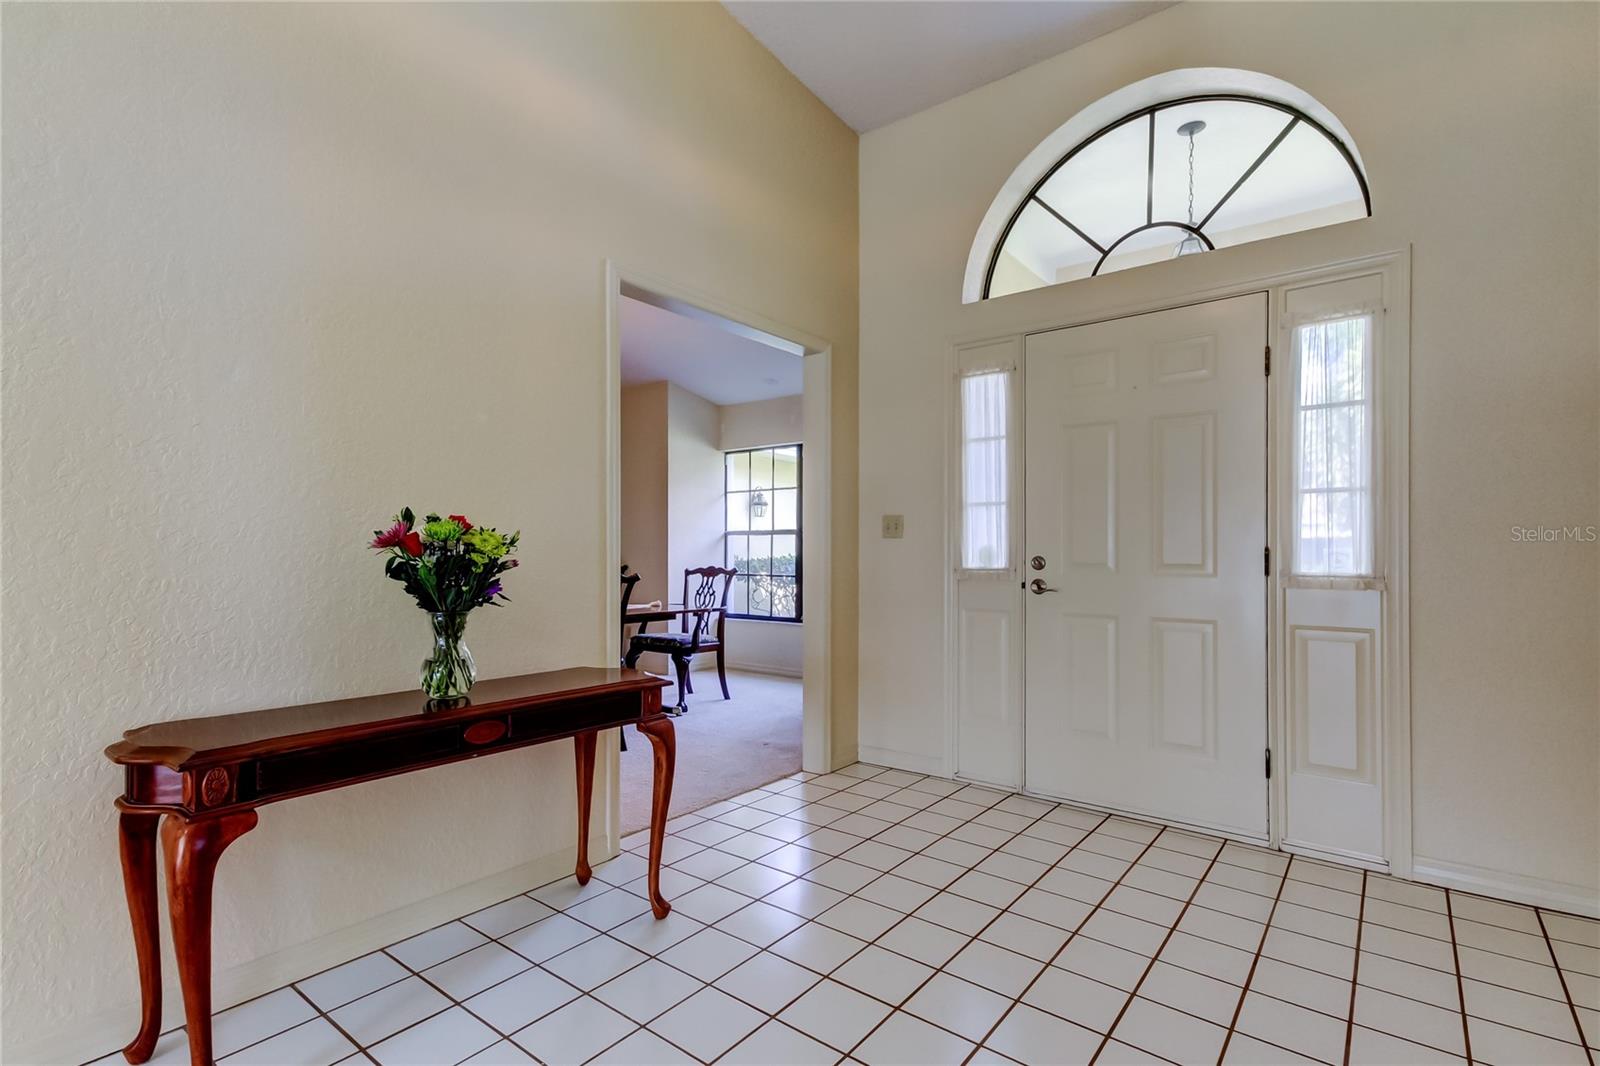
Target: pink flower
column 391, row 537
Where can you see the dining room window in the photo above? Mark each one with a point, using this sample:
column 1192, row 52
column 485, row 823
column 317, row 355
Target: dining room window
column 762, row 541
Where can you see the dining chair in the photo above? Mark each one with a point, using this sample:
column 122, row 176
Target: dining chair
column 702, row 615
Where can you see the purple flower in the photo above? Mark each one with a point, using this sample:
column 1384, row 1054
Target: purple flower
column 492, row 591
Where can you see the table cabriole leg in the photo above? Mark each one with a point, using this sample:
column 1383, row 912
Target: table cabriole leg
column 137, row 837
column 192, row 849
column 583, row 746
column 662, row 738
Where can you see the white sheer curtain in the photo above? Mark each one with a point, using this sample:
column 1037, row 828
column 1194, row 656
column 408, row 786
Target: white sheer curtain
column 1333, row 448
column 985, row 481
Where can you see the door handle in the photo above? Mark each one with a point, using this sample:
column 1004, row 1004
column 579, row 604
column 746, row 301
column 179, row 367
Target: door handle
column 1039, row 588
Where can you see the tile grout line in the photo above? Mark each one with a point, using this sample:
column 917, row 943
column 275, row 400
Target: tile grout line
column 655, row 956
column 360, row 1048
column 1096, row 907
column 773, row 1016
column 893, row 1008
column 794, row 782
column 975, row 937
column 411, row 971
column 1583, row 1040
column 454, row 1002
column 1266, row 927
column 971, row 937
column 1151, row 965
column 1223, row 861
column 1054, row 805
column 1355, row 972
column 1076, row 930
column 1461, row 990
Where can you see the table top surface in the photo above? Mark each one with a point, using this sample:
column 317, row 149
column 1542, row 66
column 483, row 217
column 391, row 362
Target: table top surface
column 175, row 742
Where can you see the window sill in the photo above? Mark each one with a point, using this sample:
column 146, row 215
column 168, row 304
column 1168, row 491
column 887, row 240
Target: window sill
column 1349, row 584
column 764, row 618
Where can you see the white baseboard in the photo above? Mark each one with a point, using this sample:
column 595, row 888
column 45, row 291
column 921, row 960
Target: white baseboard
column 1500, row 884
column 769, row 669
column 93, row 1036
column 901, row 760
column 707, row 664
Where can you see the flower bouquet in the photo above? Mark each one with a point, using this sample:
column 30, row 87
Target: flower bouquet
column 449, row 566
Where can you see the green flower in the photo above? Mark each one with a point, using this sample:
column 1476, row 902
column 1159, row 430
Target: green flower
column 442, row 531
column 485, row 544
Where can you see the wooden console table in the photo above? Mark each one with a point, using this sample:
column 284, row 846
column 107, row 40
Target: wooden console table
column 208, row 776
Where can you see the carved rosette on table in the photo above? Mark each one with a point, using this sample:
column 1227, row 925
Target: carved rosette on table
column 215, row 787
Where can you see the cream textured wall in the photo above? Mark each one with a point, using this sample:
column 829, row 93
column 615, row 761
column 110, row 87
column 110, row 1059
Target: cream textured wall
column 273, row 271
column 763, row 422
column 694, row 486
column 643, row 487
column 1478, row 125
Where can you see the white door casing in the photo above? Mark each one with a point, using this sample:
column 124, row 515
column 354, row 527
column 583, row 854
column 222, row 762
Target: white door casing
column 1145, row 490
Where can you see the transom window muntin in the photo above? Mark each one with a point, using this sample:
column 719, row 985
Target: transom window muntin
column 1091, row 223
column 762, row 538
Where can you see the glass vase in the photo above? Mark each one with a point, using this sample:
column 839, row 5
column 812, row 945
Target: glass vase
column 448, row 674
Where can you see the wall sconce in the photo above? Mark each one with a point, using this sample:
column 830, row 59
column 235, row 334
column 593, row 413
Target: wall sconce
column 758, row 503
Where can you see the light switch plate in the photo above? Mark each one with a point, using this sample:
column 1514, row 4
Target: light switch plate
column 894, row 526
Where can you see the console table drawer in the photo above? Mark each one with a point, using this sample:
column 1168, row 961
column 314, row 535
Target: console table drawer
column 302, row 771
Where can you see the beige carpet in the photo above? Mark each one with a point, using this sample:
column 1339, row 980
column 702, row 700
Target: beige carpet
column 725, row 747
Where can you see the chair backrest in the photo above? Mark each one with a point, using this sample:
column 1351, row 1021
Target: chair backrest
column 628, row 581
column 700, row 591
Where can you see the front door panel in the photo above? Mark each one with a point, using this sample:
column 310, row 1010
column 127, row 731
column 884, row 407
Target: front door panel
column 1146, row 668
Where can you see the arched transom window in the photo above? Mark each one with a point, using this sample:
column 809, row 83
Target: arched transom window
column 1178, row 177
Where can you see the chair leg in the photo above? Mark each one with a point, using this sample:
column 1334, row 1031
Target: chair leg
column 631, row 660
column 682, row 666
column 722, row 675
column 688, row 683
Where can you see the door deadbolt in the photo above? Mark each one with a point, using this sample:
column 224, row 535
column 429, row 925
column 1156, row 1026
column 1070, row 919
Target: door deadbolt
column 1037, row 562
column 1039, row 588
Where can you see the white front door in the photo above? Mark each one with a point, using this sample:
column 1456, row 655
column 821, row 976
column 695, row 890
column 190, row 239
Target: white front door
column 1145, row 493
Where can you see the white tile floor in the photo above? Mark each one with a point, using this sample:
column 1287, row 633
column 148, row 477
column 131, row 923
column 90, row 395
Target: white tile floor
column 877, row 916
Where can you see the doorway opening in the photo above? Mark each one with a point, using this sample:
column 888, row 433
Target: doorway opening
column 717, row 584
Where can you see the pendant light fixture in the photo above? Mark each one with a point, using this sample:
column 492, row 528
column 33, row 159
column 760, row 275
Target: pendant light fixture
column 758, row 503
column 1191, row 242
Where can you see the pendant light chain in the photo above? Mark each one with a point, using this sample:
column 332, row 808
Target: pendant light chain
column 1191, row 179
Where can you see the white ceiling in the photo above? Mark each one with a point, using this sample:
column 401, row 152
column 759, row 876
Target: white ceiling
column 706, row 359
column 874, row 61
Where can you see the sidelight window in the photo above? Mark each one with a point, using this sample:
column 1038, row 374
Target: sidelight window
column 985, row 475
column 1333, row 467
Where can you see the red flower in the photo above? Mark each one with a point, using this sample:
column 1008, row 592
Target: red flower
column 461, row 520
column 412, row 543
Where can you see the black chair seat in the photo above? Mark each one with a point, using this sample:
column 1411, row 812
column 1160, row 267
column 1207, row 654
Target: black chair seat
column 661, row 641
column 670, row 642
